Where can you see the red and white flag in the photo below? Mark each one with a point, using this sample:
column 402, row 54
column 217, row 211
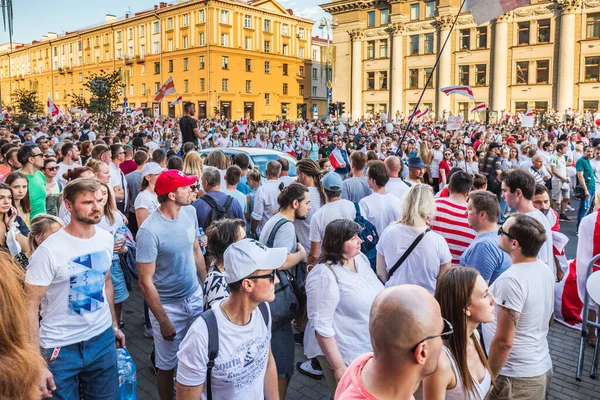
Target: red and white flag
column 459, row 90
column 479, row 107
column 165, row 90
column 486, row 10
column 52, row 109
column 421, row 114
column 178, row 100
column 336, row 159
column 138, row 111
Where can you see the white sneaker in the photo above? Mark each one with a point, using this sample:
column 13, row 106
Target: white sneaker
column 306, row 368
column 569, row 208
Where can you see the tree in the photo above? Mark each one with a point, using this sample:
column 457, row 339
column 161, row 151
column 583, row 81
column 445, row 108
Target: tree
column 105, row 88
column 27, row 102
column 79, row 102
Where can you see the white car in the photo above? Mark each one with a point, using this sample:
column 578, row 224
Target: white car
column 258, row 157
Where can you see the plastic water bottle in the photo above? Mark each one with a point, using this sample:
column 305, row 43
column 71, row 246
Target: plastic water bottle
column 121, row 234
column 201, row 238
column 127, row 375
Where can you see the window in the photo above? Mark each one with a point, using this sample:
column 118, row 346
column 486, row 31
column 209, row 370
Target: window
column 383, row 48
column 482, row 37
column 80, row 77
column 202, row 43
column 248, row 44
column 202, row 85
column 170, row 66
column 542, row 72
column 285, row 50
column 315, row 55
column 413, row 78
column 155, row 27
column 285, row 30
column 247, row 21
column 156, row 47
column 248, row 65
column 225, row 85
column 119, row 37
column 315, row 72
column 590, row 105
column 267, row 25
column 301, row 71
column 186, row 20
column 383, row 80
column 170, row 45
column 201, row 62
column 186, row 42
column 267, row 99
column 428, row 43
column 522, row 72
column 314, row 91
column 427, row 74
column 267, row 46
column 480, row 74
column 224, row 17
column 130, row 71
column 371, row 18
column 224, row 40
column 186, row 85
column 383, row 109
column 285, row 89
column 523, row 33
column 465, row 39
column 284, row 69
column 142, row 30
column 301, row 90
column 170, row 24
column 414, row 11
column 143, row 89
column 143, row 72
column 593, row 25
column 185, row 64
column 430, row 9
column 119, row 54
column 201, row 17
column 370, row 109
column 248, row 86
column 414, row 44
column 592, row 70
column 79, row 46
column 543, row 31
column 521, row 106
column 463, row 75
column 541, row 106
column 301, row 52
column 301, row 33
column 371, row 49
column 156, row 87
column 370, row 80
column 384, row 16
column 157, row 67
column 142, row 50
column 267, row 67
column 224, row 62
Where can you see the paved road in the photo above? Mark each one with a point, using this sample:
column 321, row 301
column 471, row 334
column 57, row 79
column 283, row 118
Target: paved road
column 563, row 341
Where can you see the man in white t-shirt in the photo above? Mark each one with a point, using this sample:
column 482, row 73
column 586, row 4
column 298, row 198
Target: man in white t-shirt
column 117, row 177
column 395, row 185
column 245, row 366
column 70, row 154
column 70, row 272
column 380, row 208
column 518, row 188
column 516, row 340
column 265, row 200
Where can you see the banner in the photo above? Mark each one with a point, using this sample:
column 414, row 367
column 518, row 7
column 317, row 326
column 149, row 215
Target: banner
column 454, row 123
column 527, row 121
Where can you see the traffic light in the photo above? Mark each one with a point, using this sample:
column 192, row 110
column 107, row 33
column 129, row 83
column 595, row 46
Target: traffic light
column 332, row 108
column 341, row 108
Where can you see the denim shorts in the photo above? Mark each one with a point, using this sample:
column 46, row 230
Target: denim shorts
column 89, row 365
column 283, row 348
column 118, row 280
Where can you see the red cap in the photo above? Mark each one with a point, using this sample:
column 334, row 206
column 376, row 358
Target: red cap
column 510, row 139
column 172, row 179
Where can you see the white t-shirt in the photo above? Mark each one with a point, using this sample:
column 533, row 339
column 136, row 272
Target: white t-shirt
column 63, row 168
column 327, row 213
column 341, row 309
column 527, row 288
column 397, row 187
column 381, row 210
column 265, row 202
column 546, row 253
column 75, row 308
column 241, row 365
column 303, row 226
column 117, row 178
column 148, row 200
column 287, row 179
column 585, row 250
column 422, row 266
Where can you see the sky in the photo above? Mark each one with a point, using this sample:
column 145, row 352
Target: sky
column 35, row 18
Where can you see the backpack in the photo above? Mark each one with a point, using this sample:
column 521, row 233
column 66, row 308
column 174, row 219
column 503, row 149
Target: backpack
column 369, row 236
column 218, row 212
column 213, row 342
column 84, row 136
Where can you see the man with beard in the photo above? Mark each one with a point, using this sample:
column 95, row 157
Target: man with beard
column 71, row 272
column 434, row 158
column 170, row 262
column 416, row 169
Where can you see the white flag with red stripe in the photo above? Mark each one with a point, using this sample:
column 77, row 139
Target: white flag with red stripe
column 52, row 109
column 165, row 90
column 421, row 114
column 479, row 107
column 178, row 100
column 527, row 121
column 486, row 10
column 336, row 159
column 458, row 90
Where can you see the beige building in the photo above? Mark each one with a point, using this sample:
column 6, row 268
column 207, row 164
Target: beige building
column 545, row 55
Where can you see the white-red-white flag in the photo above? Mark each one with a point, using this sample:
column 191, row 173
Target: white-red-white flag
column 459, row 90
column 137, row 112
column 336, row 159
column 421, row 114
column 52, row 109
column 479, row 107
column 165, row 90
column 486, row 10
column 178, row 100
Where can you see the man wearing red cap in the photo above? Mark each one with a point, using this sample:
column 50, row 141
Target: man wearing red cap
column 170, row 261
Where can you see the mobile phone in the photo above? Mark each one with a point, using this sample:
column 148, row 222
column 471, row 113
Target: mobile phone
column 10, row 213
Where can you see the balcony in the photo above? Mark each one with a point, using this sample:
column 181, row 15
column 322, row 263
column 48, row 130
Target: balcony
column 140, row 59
column 128, row 60
column 62, row 71
column 68, row 70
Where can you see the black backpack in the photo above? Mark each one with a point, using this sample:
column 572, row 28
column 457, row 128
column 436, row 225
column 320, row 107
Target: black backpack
column 84, row 136
column 213, row 342
column 218, row 212
column 369, row 236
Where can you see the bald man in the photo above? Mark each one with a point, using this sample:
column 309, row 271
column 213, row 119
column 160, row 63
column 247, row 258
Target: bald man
column 538, row 169
column 395, row 185
column 406, row 329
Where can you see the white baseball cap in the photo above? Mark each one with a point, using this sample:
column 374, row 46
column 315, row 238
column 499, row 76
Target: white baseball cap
column 247, row 256
column 151, row 168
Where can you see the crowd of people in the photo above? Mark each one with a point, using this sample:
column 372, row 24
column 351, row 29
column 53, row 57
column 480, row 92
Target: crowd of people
column 407, row 262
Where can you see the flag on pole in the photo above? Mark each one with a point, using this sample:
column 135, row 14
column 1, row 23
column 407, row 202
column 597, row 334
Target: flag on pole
column 527, row 121
column 138, row 111
column 479, row 107
column 52, row 109
column 486, row 10
column 459, row 90
column 336, row 159
column 421, row 114
column 166, row 89
column 178, row 100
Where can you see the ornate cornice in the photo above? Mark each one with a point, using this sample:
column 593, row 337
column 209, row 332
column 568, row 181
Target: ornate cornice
column 356, row 34
column 466, row 20
column 398, row 28
column 505, row 17
column 421, row 26
column 444, row 22
column 568, row 6
column 591, row 3
column 534, row 11
column 343, row 6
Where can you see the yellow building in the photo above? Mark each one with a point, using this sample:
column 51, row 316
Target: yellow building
column 545, row 55
column 241, row 58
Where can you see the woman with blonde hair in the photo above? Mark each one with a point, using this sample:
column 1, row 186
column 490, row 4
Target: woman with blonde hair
column 408, row 252
column 216, row 158
column 42, row 226
column 193, row 163
column 100, row 169
column 20, row 362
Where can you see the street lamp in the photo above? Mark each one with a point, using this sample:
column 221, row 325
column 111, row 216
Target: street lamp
column 328, row 24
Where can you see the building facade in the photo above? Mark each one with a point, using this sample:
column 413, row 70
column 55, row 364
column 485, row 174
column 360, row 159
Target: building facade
column 237, row 58
column 320, row 75
column 545, row 55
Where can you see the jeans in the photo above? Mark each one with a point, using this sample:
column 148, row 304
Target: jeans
column 584, row 208
column 91, row 365
column 503, row 208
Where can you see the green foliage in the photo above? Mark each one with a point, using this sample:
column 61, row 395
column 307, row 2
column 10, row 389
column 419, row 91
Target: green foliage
column 78, row 101
column 27, row 102
column 104, row 88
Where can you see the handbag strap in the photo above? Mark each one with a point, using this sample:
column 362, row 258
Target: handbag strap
column 273, row 232
column 407, row 253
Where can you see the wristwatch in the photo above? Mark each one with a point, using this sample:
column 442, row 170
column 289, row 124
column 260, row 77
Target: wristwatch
column 115, row 329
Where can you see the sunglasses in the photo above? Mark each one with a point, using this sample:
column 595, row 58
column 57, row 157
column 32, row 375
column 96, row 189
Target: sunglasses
column 53, row 169
column 270, row 276
column 195, row 187
column 503, row 232
column 447, row 334
column 37, row 155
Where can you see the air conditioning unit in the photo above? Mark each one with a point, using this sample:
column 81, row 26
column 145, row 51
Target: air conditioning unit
column 298, row 35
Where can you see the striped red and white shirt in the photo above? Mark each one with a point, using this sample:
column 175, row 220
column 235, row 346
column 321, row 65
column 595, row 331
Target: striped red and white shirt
column 451, row 222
